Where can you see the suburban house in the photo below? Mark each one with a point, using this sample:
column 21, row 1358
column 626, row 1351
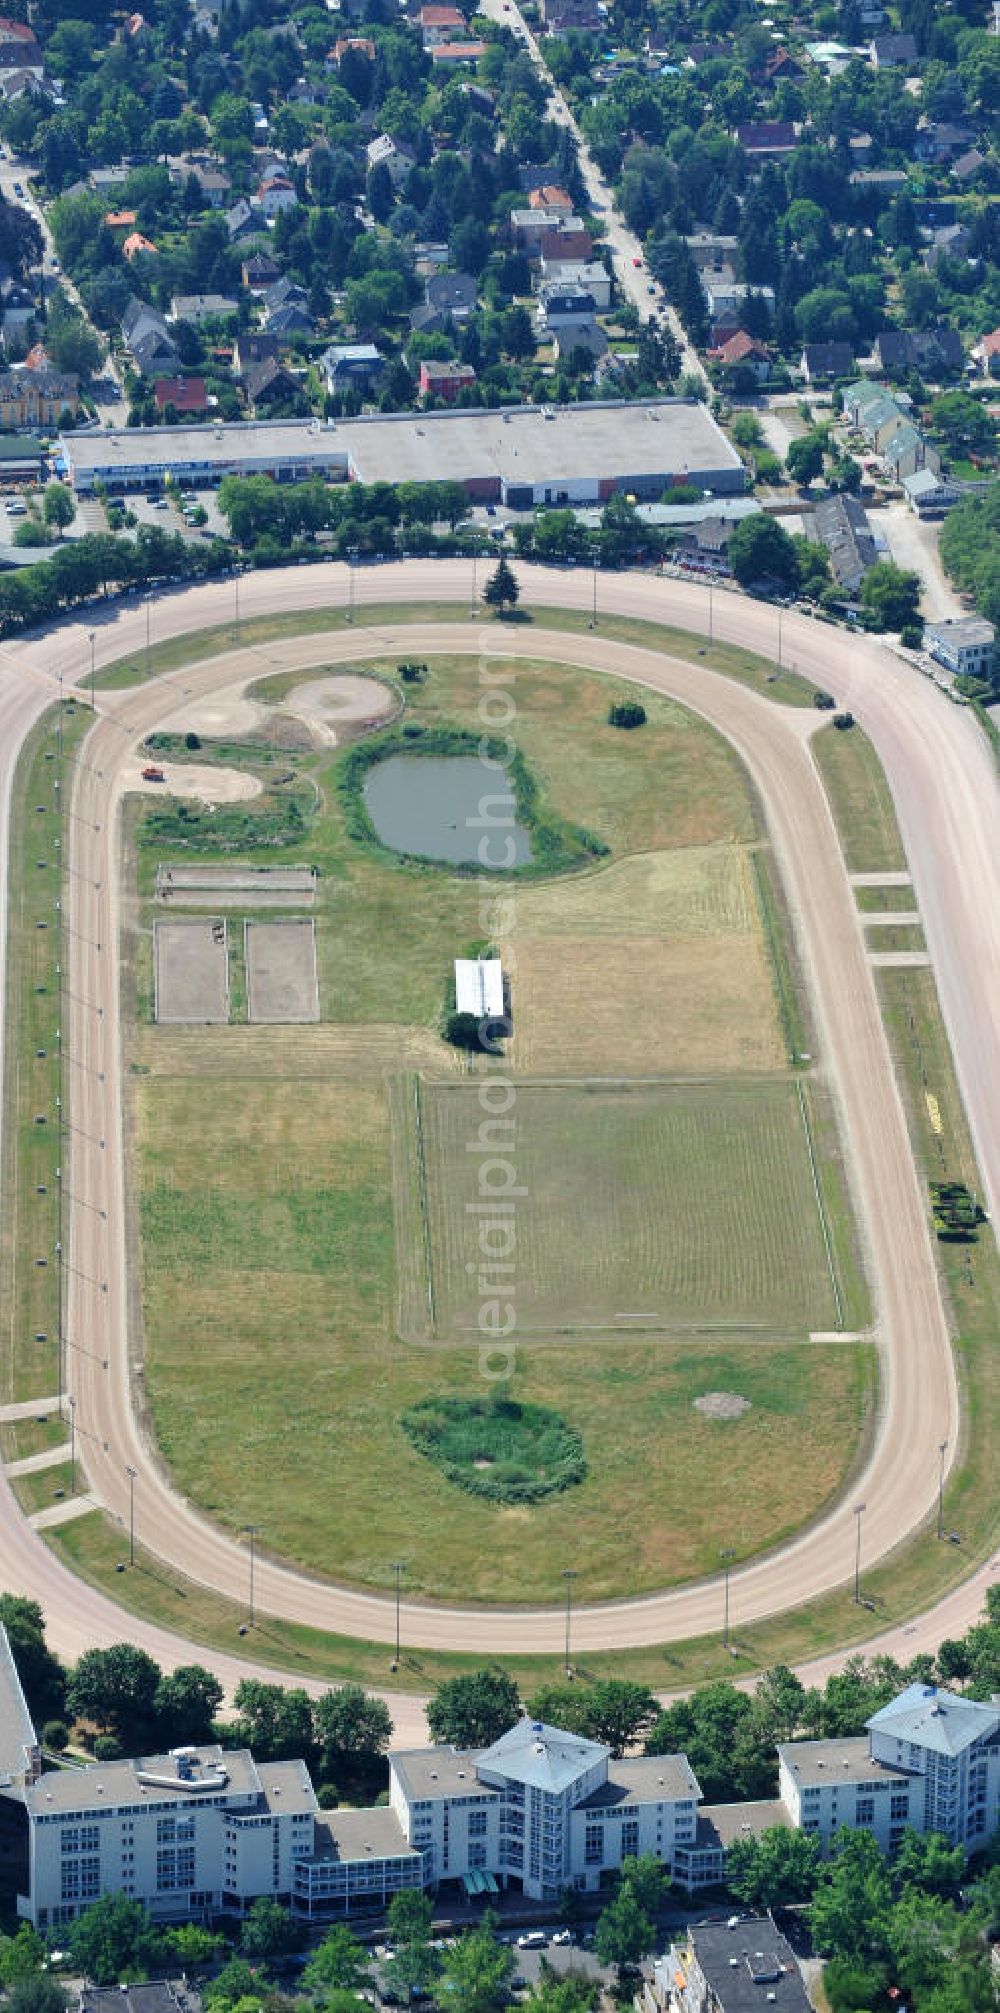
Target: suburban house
column 710, row 251
column 135, row 246
column 965, row 646
column 270, row 384
column 19, row 308
column 351, row 366
column 395, row 155
column 986, row 353
column 842, row 526
column 704, row 547
column 767, row 138
column 744, row 350
column 260, row 271
column 439, row 24
column 252, row 346
column 275, row 194
column 821, row 361
column 586, row 275
column 196, row 308
column 185, row 394
column 451, row 294
column 448, row 54
column 925, row 350
column 890, row 52
column 445, row 380
column 929, row 494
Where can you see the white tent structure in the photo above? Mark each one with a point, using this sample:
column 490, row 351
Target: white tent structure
column 479, row 987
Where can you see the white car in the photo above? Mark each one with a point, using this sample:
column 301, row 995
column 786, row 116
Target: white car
column 533, row 1939
column 562, row 1937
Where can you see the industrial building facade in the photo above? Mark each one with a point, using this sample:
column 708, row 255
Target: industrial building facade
column 520, row 456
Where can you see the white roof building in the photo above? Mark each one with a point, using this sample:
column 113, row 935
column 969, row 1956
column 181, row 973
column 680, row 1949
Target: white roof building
column 479, row 987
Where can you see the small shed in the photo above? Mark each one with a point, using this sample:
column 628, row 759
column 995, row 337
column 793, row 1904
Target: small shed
column 479, row 987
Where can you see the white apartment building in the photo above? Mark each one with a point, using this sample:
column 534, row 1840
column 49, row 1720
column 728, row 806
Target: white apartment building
column 931, row 1760
column 541, row 1809
column 188, row 1833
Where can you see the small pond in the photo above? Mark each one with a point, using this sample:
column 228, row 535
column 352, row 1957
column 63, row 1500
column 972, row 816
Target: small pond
column 428, row 805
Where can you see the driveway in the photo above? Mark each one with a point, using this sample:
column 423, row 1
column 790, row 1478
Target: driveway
column 913, row 544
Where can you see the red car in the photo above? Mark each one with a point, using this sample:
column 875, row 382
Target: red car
column 637, row 262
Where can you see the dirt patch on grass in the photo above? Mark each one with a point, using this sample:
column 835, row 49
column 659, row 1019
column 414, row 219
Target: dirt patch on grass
column 721, row 1405
column 332, row 706
column 207, row 785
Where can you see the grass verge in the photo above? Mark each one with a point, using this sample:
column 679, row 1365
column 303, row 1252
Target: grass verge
column 30, row 1198
column 786, row 688
column 860, row 799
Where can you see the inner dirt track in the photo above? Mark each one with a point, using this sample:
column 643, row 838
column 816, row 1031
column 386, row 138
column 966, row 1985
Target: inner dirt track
column 941, row 773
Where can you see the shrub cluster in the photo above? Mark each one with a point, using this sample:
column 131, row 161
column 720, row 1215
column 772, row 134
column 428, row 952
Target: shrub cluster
column 496, row 1448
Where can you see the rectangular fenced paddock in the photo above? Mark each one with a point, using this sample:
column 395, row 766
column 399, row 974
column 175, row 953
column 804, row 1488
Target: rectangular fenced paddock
column 227, row 887
column 282, row 985
column 191, row 972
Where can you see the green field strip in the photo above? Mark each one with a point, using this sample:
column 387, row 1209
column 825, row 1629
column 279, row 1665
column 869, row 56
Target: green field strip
column 788, row 991
column 414, row 1291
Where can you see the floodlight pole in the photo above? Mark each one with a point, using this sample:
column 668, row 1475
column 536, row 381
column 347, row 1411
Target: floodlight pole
column 131, row 1473
column 399, row 1568
column 250, row 1531
column 942, row 1450
column 569, row 1575
column 726, row 1557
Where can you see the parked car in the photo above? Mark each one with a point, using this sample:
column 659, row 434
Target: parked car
column 533, row 1939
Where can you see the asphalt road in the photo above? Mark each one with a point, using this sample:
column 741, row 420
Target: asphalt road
column 630, row 269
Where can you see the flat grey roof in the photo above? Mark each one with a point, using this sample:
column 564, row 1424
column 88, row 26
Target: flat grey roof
column 724, row 1823
column 150, row 446
column 286, row 1786
column 533, row 444
column 360, row 1835
column 961, row 629
column 765, row 1965
column 527, row 444
column 431, row 1772
column 829, row 1762
column 107, row 1785
column 17, row 1734
column 659, row 1778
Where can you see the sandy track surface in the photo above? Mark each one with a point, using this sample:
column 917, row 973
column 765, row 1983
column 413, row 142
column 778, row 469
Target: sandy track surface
column 942, row 778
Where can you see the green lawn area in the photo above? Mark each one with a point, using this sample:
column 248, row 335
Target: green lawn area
column 860, row 801
column 268, row 1270
column 688, row 1205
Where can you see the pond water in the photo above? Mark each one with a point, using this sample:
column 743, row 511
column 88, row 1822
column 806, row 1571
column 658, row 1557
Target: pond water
column 430, row 805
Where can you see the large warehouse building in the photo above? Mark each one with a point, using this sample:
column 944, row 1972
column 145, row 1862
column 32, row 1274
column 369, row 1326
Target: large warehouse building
column 520, row 456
